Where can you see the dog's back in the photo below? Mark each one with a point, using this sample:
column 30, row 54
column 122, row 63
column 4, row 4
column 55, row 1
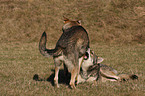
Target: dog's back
column 70, row 48
column 73, row 40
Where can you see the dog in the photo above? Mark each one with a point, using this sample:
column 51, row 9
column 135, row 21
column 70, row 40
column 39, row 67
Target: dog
column 69, row 49
column 93, row 70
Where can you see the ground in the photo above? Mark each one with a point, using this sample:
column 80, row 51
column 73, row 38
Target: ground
column 116, row 31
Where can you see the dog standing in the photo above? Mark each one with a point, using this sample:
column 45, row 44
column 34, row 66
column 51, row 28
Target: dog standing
column 70, row 49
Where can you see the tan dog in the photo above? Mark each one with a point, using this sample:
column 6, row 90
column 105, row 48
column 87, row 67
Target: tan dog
column 70, row 49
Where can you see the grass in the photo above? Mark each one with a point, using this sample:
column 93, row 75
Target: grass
column 21, row 61
column 116, row 31
column 112, row 21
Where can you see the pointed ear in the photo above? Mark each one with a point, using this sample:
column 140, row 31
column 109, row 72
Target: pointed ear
column 65, row 19
column 100, row 59
column 79, row 21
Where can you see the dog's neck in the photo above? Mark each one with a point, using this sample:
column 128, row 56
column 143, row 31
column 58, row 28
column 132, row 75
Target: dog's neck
column 68, row 25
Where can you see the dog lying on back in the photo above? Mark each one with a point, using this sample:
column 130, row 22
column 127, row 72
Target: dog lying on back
column 92, row 70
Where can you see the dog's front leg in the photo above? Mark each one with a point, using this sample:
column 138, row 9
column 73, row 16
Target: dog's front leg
column 56, row 77
column 73, row 77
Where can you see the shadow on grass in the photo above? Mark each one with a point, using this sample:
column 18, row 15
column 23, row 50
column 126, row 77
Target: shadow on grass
column 62, row 78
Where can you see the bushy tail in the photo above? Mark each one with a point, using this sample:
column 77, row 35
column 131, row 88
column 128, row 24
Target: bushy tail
column 42, row 47
column 133, row 77
column 125, row 77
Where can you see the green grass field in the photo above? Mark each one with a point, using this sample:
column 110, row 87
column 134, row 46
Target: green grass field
column 117, row 33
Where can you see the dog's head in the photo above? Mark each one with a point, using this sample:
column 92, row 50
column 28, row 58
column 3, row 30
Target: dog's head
column 69, row 23
column 91, row 56
column 90, row 64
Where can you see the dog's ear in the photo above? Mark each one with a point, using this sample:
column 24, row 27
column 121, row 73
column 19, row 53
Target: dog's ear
column 79, row 21
column 100, row 59
column 65, row 19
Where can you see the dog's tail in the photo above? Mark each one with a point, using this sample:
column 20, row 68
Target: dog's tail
column 125, row 77
column 43, row 50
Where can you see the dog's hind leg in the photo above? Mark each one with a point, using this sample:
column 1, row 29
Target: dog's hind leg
column 75, row 70
column 80, row 63
column 74, row 73
column 57, row 62
column 56, row 76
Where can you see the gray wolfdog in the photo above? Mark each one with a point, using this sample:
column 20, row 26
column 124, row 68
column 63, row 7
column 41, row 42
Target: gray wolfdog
column 92, row 70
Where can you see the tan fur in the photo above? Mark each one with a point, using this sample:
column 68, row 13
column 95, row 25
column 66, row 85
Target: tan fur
column 70, row 49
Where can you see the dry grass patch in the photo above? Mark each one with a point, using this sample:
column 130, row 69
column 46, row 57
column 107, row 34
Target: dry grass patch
column 112, row 21
column 20, row 62
column 116, row 30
